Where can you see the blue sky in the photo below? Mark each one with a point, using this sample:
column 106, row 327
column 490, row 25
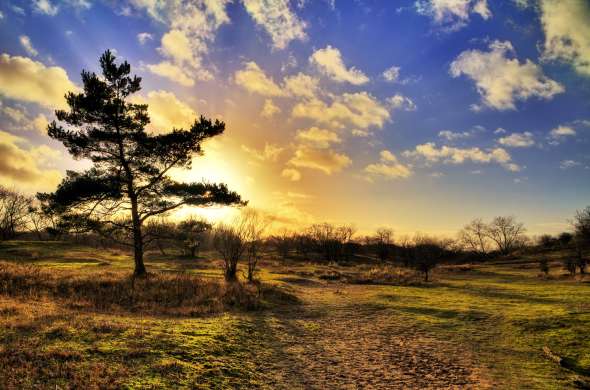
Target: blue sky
column 419, row 115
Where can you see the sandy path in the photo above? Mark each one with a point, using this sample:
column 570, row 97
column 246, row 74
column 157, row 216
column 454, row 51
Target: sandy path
column 337, row 341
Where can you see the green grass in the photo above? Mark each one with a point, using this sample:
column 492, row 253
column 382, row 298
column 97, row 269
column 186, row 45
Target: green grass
column 504, row 313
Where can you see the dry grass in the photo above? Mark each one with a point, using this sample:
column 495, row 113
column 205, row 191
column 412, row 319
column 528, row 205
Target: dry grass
column 112, row 291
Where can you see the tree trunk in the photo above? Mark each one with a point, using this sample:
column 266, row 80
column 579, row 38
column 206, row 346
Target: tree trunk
column 137, row 240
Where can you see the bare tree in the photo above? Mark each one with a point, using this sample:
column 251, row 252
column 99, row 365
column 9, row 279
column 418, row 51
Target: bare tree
column 14, row 211
column 230, row 241
column 506, row 233
column 383, row 240
column 282, row 242
column 474, row 237
column 304, row 244
column 255, row 225
column 582, row 225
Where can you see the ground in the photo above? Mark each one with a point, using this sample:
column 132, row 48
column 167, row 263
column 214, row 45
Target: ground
column 476, row 326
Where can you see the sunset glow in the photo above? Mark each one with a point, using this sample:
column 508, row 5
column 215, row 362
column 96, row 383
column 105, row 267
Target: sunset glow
column 418, row 115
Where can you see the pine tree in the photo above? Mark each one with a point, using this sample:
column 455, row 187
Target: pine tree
column 129, row 181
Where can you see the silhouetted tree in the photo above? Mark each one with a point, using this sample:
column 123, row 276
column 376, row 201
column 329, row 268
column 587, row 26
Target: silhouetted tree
column 130, row 168
column 544, row 266
column 190, row 233
column 506, row 233
column 14, row 209
column 230, row 241
column 474, row 237
column 383, row 241
column 582, row 225
column 255, row 225
column 565, row 238
column 427, row 253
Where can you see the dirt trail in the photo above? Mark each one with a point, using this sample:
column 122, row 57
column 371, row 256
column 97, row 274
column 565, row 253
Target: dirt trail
column 338, row 340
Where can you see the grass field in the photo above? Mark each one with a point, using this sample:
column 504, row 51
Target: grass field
column 477, row 326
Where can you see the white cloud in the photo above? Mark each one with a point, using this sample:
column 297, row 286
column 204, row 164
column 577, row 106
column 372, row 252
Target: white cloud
column 400, row 102
column 391, row 74
column 389, row 167
column 170, row 71
column 361, row 110
column 452, row 15
column 320, row 138
column 24, row 79
column 254, row 80
column 166, row 111
column 302, row 85
column 453, row 136
column 144, row 37
column 329, row 61
column 192, row 27
column 269, row 109
column 566, row 24
column 45, row 7
column 291, row 174
column 453, row 155
column 501, row 80
column 567, row 164
column 25, row 42
column 518, row 140
column 324, row 160
column 278, row 20
column 561, row 132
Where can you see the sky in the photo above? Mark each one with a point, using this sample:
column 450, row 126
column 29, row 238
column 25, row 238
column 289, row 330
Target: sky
column 417, row 115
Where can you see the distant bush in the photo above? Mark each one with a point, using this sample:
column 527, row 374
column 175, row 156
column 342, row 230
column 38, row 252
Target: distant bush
column 544, row 266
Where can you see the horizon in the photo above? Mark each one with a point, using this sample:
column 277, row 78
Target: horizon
column 423, row 116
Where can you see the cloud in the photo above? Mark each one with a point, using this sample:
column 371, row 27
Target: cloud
column 501, row 80
column 561, row 132
column 567, row 32
column 170, row 71
column 254, row 80
column 320, row 138
column 391, row 74
column 24, row 79
column 453, row 136
column 361, row 110
column 453, row 155
column 22, row 166
column 324, row 160
column 452, row 15
column 45, row 7
column 20, row 117
column 144, row 37
column 568, row 164
column 518, row 140
column 269, row 109
column 389, row 167
column 192, row 27
column 301, row 85
column 278, row 20
column 400, row 102
column 329, row 62
column 25, row 42
column 166, row 111
column 291, row 174
column 269, row 153
column 40, row 124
